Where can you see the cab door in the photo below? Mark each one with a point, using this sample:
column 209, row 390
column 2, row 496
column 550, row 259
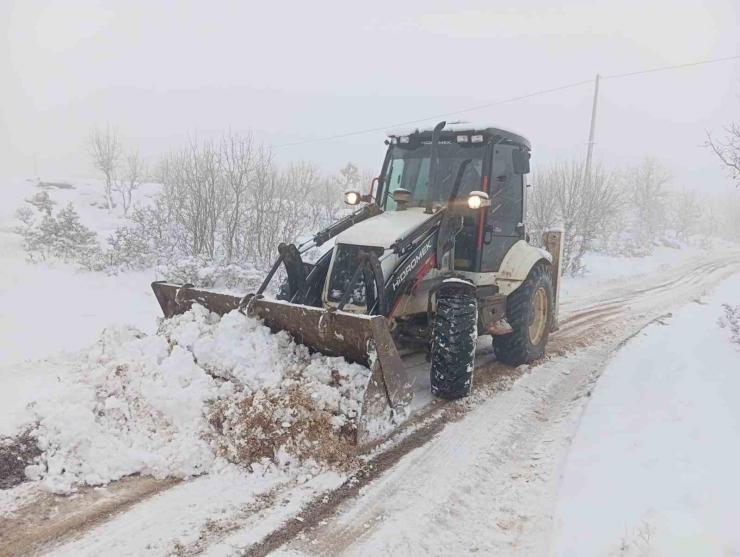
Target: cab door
column 506, row 191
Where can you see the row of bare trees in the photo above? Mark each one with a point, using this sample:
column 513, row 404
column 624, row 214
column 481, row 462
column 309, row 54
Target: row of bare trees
column 623, row 212
column 227, row 200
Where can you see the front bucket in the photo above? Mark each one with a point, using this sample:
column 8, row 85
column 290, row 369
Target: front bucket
column 358, row 338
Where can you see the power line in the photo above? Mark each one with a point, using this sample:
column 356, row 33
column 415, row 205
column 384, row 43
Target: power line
column 488, row 105
column 409, row 122
column 671, row 67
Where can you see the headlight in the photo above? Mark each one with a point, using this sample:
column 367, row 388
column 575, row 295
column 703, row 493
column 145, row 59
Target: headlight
column 352, row 197
column 478, row 199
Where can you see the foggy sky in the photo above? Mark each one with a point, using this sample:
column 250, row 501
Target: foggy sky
column 294, row 71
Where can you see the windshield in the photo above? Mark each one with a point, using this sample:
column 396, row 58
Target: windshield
column 459, row 171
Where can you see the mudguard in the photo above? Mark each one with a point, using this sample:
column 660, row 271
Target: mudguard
column 516, row 265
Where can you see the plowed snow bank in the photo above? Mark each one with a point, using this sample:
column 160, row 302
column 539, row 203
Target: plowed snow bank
column 201, row 392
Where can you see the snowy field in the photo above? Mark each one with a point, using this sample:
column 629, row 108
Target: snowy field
column 49, row 308
column 653, row 467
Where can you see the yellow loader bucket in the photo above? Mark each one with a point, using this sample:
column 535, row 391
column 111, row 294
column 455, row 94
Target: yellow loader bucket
column 362, row 339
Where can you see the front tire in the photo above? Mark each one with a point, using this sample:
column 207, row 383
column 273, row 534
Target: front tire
column 453, row 345
column 529, row 311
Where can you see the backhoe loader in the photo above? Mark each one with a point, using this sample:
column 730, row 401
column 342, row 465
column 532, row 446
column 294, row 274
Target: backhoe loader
column 436, row 254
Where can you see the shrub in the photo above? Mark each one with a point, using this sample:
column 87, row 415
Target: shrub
column 731, row 319
column 207, row 273
column 129, row 251
column 61, row 236
column 42, row 202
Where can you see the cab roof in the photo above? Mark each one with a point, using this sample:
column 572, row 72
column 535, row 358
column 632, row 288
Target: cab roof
column 457, row 127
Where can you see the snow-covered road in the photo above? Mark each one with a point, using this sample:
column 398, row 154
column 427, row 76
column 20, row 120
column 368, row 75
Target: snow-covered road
column 486, row 483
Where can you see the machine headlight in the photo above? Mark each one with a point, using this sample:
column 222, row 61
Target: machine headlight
column 478, row 199
column 352, row 197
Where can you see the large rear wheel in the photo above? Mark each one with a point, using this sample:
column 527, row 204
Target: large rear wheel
column 529, row 312
column 453, row 345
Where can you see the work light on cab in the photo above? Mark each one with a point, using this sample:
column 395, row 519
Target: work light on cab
column 352, row 197
column 478, row 199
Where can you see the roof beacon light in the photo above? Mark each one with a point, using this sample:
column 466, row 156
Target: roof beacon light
column 394, row 140
column 477, row 139
column 462, row 138
column 405, row 139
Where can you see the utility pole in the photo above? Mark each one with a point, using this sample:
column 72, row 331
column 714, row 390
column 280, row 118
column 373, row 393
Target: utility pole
column 591, row 133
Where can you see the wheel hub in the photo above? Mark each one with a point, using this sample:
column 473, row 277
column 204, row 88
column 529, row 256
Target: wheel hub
column 539, row 316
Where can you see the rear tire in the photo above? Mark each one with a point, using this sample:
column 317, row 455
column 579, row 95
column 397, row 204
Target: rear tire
column 453, row 345
column 529, row 312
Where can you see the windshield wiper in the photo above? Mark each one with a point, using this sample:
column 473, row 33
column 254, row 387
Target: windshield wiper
column 458, row 180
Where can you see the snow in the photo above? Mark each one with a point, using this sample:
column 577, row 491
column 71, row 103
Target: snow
column 52, row 308
column 653, row 468
column 450, row 127
column 384, row 229
column 134, row 403
column 225, row 511
column 49, row 309
column 602, row 268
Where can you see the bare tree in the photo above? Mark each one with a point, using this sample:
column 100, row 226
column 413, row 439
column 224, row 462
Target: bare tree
column 133, row 174
column 729, row 216
column 583, row 209
column 687, row 212
column 238, row 165
column 646, row 187
column 105, row 151
column 304, row 182
column 541, row 206
column 263, row 230
column 193, row 197
column 727, row 149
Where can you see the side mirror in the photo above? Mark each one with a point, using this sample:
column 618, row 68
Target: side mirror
column 521, row 161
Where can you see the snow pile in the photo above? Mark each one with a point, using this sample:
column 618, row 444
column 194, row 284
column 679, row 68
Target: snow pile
column 202, row 388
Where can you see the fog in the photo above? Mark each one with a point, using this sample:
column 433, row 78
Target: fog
column 299, row 71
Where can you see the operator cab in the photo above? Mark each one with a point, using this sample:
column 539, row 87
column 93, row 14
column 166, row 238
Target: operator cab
column 469, row 158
